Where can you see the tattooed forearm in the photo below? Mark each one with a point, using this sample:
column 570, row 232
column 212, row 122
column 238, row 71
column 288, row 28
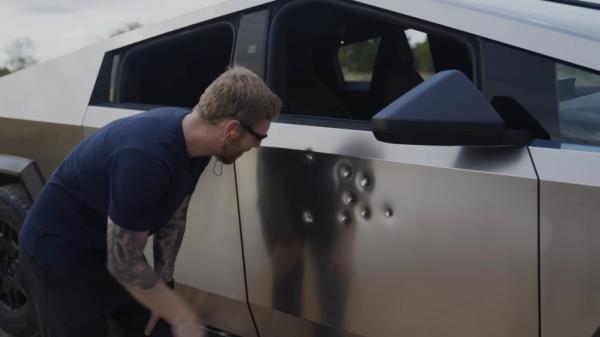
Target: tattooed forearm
column 126, row 260
column 167, row 242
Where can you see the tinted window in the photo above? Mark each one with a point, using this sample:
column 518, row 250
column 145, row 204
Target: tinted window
column 419, row 45
column 170, row 70
column 564, row 100
column 349, row 62
column 578, row 94
column 358, row 59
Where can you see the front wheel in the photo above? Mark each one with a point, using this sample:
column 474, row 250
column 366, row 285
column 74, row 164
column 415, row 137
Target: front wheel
column 17, row 315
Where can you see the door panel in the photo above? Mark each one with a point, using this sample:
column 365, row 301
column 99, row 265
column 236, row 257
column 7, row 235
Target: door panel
column 210, row 261
column 46, row 143
column 347, row 235
column 569, row 232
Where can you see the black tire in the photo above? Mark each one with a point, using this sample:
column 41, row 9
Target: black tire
column 17, row 315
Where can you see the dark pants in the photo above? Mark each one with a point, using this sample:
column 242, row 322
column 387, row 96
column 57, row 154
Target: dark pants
column 69, row 303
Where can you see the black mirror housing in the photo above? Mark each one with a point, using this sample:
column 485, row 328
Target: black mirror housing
column 446, row 109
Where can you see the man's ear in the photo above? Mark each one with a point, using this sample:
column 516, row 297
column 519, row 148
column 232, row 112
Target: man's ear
column 232, row 129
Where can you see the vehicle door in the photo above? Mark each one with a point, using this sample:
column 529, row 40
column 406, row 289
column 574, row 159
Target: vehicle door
column 347, row 235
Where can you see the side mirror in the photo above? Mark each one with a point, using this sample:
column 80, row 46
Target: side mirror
column 446, row 109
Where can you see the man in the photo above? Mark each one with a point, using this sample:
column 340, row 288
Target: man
column 132, row 178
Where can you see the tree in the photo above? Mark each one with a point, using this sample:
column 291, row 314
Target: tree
column 422, row 57
column 20, row 54
column 4, row 71
column 126, row 27
column 357, row 59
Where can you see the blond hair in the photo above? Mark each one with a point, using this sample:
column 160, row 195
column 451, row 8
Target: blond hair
column 240, row 94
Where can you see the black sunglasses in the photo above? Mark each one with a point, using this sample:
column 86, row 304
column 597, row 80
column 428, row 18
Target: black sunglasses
column 257, row 135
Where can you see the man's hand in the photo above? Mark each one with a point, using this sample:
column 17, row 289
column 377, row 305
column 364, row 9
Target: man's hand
column 166, row 246
column 151, row 323
column 167, row 242
column 126, row 262
column 189, row 326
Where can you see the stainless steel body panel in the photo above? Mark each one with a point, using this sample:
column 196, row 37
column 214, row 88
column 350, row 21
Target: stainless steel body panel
column 46, row 143
column 97, row 117
column 277, row 323
column 211, row 253
column 569, row 249
column 218, row 311
column 378, row 239
column 57, row 91
column 362, row 144
column 210, row 261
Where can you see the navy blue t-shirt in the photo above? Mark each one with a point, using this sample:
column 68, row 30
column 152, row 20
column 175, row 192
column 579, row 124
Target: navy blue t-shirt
column 136, row 170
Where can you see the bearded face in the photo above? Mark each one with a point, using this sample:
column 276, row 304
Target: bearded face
column 235, row 147
column 229, row 157
column 231, row 151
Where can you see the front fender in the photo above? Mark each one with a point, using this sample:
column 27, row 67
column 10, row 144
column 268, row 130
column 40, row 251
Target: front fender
column 24, row 169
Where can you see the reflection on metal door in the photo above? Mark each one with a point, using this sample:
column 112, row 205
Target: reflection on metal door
column 345, row 235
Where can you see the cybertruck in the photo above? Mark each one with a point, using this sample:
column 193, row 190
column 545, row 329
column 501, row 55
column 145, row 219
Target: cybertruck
column 435, row 170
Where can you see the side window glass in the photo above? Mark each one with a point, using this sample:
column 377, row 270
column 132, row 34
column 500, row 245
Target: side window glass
column 169, row 70
column 533, row 92
column 349, row 62
column 578, row 95
column 419, row 46
column 358, row 59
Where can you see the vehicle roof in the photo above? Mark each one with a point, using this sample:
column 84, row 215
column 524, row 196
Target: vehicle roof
column 561, row 31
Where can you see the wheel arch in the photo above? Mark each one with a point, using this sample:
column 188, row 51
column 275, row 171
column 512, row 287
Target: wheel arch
column 15, row 169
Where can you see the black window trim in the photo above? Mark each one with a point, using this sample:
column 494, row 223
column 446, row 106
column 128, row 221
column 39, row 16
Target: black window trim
column 327, row 122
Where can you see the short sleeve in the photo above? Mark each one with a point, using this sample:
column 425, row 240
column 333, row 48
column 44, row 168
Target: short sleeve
column 137, row 182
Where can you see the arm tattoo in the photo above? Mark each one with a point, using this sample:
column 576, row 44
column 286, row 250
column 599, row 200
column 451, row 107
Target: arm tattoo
column 167, row 242
column 126, row 260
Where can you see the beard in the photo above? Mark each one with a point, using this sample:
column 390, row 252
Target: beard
column 225, row 157
column 226, row 160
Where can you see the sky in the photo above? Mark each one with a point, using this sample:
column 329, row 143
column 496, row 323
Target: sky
column 58, row 27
